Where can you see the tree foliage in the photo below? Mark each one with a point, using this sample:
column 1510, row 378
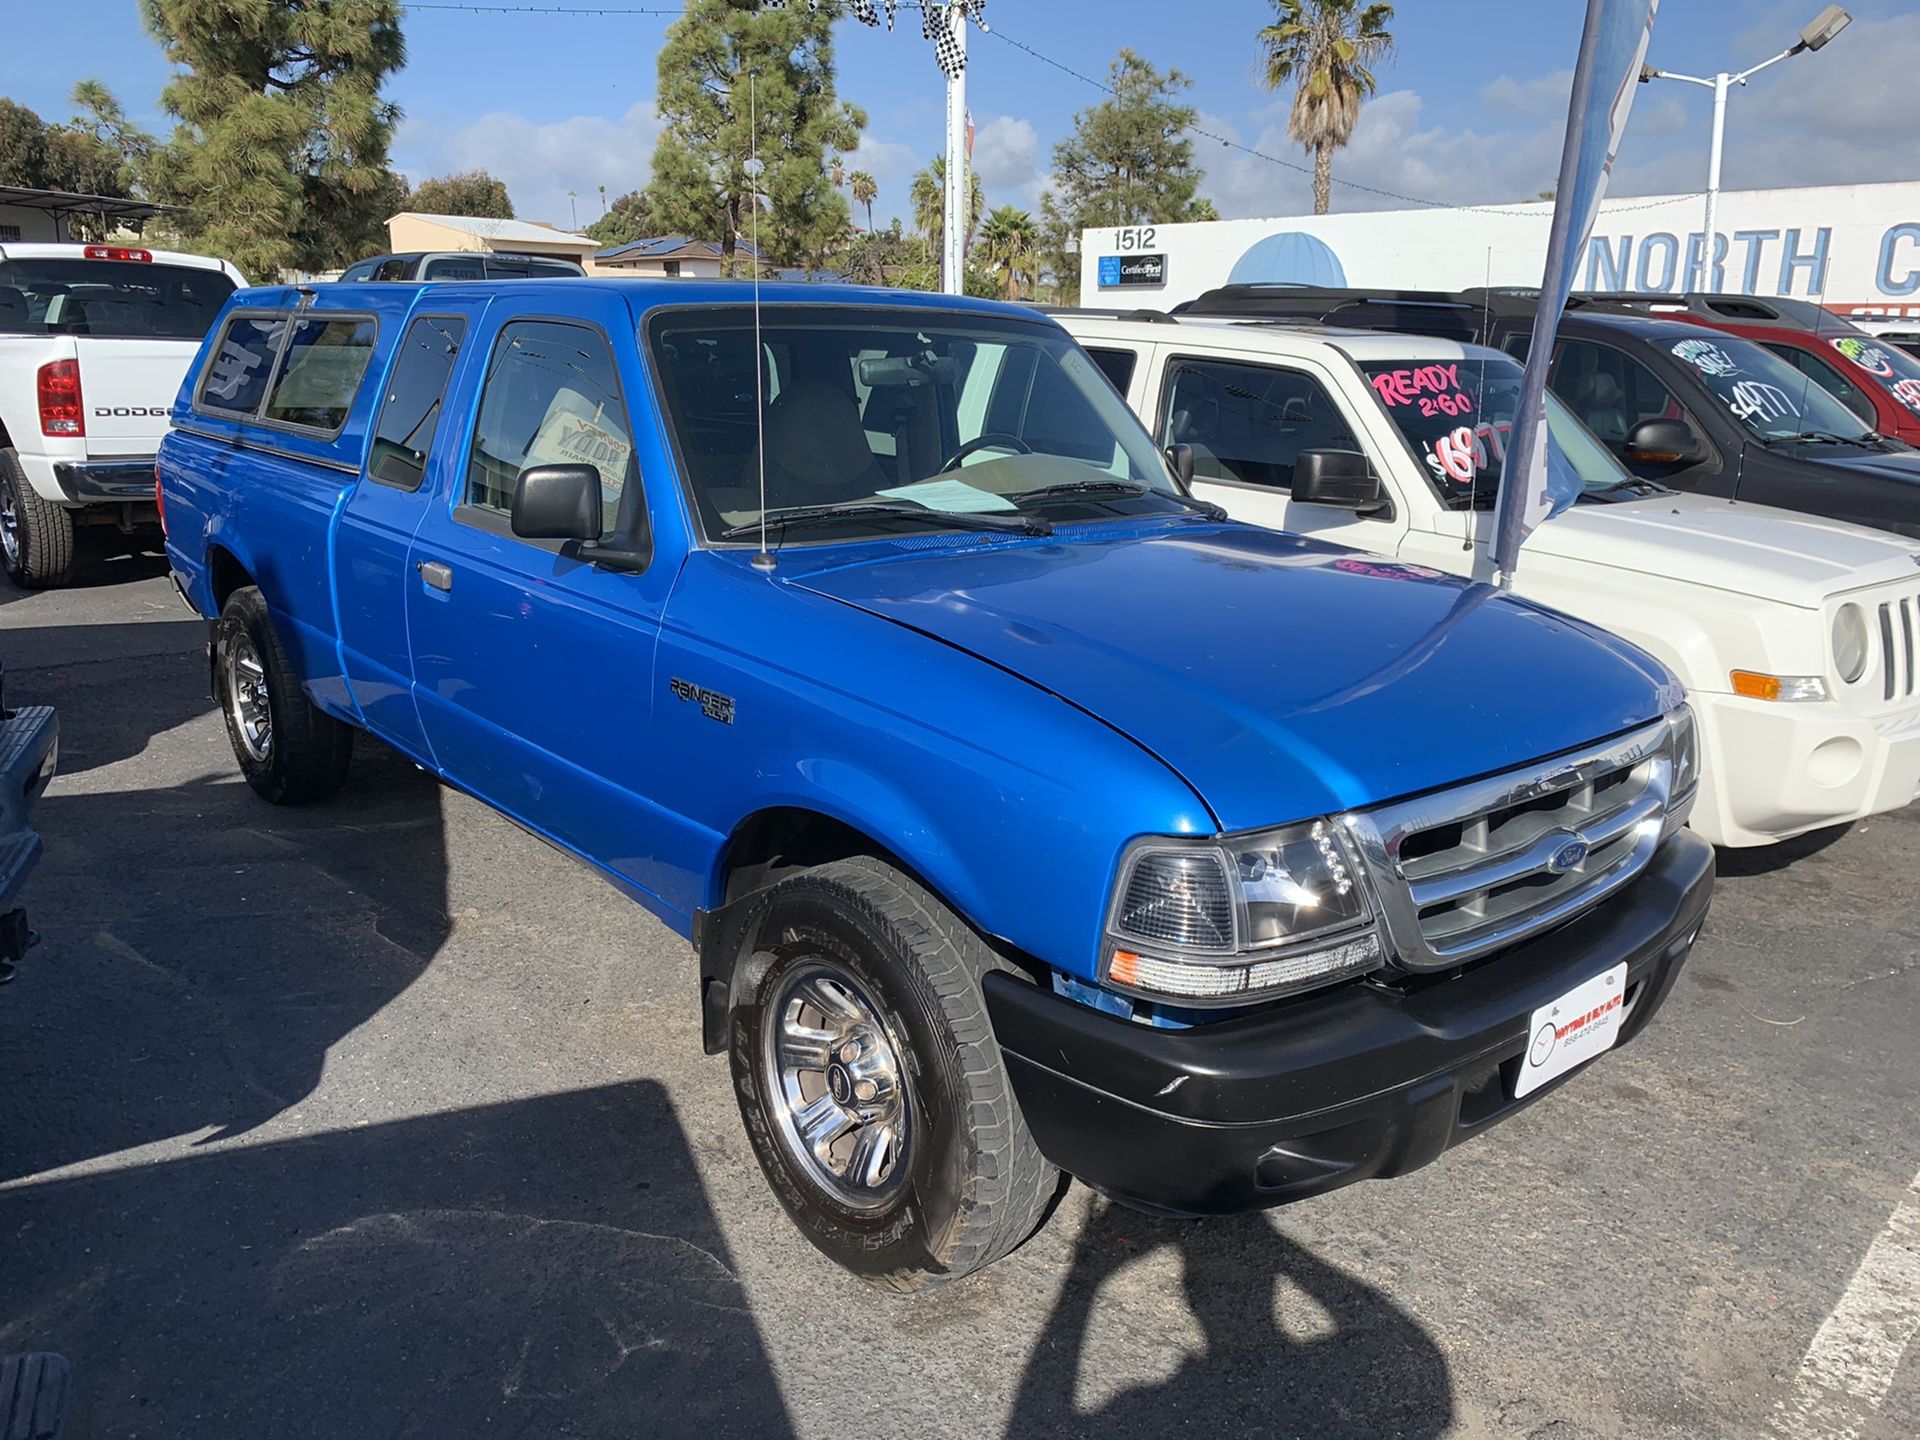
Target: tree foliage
column 1327, row 48
column 280, row 152
column 470, row 192
column 98, row 152
column 1010, row 251
column 628, row 219
column 865, row 190
column 928, row 196
column 1129, row 161
column 701, row 187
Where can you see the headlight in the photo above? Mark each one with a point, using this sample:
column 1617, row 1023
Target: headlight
column 1239, row 917
column 1684, row 746
column 1850, row 642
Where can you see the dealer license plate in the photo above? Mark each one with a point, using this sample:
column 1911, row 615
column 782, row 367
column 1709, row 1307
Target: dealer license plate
column 1581, row 1024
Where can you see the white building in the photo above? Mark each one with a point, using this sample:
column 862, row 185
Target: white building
column 1854, row 248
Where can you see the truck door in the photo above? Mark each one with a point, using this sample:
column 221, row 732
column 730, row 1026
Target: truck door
column 1247, row 422
column 533, row 668
column 375, row 532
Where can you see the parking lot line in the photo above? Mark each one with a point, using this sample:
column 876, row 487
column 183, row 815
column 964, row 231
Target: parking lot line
column 1859, row 1346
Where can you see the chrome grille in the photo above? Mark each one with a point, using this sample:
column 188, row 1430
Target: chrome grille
column 1899, row 622
column 1472, row 869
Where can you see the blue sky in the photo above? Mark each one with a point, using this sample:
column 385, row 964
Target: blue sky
column 1470, row 109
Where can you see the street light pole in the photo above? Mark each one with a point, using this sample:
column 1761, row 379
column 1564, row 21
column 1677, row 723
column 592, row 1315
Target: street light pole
column 953, row 260
column 1824, row 26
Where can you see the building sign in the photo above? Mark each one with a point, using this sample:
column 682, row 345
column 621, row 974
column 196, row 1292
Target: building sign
column 1132, row 270
column 1853, row 248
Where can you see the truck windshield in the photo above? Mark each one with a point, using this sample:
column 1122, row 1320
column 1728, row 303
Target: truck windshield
column 1457, row 416
column 1892, row 368
column 1771, row 398
column 949, row 412
column 119, row 299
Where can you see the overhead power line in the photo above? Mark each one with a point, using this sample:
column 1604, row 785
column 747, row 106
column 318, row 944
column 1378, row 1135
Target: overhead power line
column 997, row 33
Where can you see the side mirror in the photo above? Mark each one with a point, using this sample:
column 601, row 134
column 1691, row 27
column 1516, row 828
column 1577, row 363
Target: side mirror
column 557, row 502
column 1180, row 457
column 1342, row 478
column 1665, row 442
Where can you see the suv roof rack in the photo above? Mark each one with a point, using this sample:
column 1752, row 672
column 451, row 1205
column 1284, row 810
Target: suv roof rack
column 1438, row 313
column 1151, row 317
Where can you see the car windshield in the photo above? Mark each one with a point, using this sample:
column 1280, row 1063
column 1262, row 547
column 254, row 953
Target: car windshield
column 1457, row 416
column 938, row 413
column 1772, row 398
column 123, row 299
column 1892, row 368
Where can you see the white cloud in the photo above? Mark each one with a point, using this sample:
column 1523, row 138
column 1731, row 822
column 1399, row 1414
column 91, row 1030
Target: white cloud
column 1006, row 156
column 540, row 162
column 1390, row 152
column 1544, row 95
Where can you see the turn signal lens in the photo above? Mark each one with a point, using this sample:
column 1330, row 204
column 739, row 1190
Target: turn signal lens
column 1756, row 686
column 1260, row 980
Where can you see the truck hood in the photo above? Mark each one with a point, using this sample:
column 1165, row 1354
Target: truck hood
column 1280, row 677
column 1728, row 545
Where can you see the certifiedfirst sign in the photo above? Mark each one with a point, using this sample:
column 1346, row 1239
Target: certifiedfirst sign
column 1118, row 270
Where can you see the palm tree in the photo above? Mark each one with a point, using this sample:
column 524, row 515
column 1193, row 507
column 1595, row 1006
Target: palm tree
column 1326, row 48
column 928, row 196
column 865, row 192
column 1011, row 242
column 837, row 173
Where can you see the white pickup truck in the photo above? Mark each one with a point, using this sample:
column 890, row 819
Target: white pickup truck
column 1796, row 637
column 93, row 342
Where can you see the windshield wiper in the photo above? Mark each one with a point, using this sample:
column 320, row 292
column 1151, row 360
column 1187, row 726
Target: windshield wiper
column 1825, row 437
column 1638, row 484
column 1131, row 489
column 1017, row 522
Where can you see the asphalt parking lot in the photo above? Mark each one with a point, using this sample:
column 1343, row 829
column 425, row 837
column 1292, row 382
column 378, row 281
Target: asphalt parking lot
column 380, row 1118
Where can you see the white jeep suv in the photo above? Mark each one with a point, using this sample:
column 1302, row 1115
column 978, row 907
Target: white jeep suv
column 1797, row 638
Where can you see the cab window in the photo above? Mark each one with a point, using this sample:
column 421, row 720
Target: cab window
column 1116, row 365
column 410, row 412
column 320, row 373
column 240, row 363
column 1609, row 391
column 1247, row 424
column 552, row 397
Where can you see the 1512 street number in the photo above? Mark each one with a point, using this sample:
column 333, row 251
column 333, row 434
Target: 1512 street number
column 1138, row 237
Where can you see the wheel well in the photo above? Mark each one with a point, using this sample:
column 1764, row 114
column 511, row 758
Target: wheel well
column 773, row 841
column 226, row 575
column 6, row 440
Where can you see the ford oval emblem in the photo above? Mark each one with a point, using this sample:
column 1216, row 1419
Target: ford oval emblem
column 1568, row 856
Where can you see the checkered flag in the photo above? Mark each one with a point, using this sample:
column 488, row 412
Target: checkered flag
column 936, row 23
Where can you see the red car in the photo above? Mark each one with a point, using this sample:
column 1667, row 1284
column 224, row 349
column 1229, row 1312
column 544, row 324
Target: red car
column 1872, row 377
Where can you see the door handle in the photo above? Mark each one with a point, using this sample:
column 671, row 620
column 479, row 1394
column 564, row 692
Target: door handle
column 439, row 576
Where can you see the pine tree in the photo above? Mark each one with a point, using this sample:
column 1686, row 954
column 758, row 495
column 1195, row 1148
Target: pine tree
column 471, row 192
column 1128, row 162
column 628, row 219
column 281, row 148
column 700, row 183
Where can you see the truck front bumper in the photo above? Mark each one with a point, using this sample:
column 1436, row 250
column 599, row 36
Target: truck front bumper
column 105, row 482
column 1776, row 770
column 1356, row 1082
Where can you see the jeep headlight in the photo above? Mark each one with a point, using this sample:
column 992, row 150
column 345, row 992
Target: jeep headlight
column 1683, row 744
column 1236, row 918
column 1850, row 642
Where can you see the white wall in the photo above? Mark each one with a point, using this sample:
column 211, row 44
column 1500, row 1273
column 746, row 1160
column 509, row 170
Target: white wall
column 1848, row 246
column 32, row 224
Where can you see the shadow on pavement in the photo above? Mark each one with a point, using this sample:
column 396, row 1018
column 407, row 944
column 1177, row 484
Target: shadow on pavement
column 202, row 950
column 1770, row 859
column 1348, row 1362
column 116, row 686
column 543, row 1267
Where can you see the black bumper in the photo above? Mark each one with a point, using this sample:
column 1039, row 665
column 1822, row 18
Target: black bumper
column 1359, row 1082
column 105, row 482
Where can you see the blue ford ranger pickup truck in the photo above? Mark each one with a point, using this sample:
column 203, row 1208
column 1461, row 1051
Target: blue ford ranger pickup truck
column 1025, row 815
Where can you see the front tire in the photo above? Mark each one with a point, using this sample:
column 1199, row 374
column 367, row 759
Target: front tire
column 289, row 750
column 873, row 1094
column 36, row 535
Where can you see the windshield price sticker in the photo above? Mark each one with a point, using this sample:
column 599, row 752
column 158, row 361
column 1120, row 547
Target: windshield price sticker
column 1581, row 1024
column 1434, row 389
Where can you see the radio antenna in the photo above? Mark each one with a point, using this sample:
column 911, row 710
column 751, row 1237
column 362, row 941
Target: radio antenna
column 764, row 561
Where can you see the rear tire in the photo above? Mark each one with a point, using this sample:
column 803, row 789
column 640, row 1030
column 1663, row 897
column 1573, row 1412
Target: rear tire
column 871, row 986
column 36, row 535
column 289, row 750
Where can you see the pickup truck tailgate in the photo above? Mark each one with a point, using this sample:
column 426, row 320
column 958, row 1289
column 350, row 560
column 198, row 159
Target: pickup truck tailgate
column 127, row 386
